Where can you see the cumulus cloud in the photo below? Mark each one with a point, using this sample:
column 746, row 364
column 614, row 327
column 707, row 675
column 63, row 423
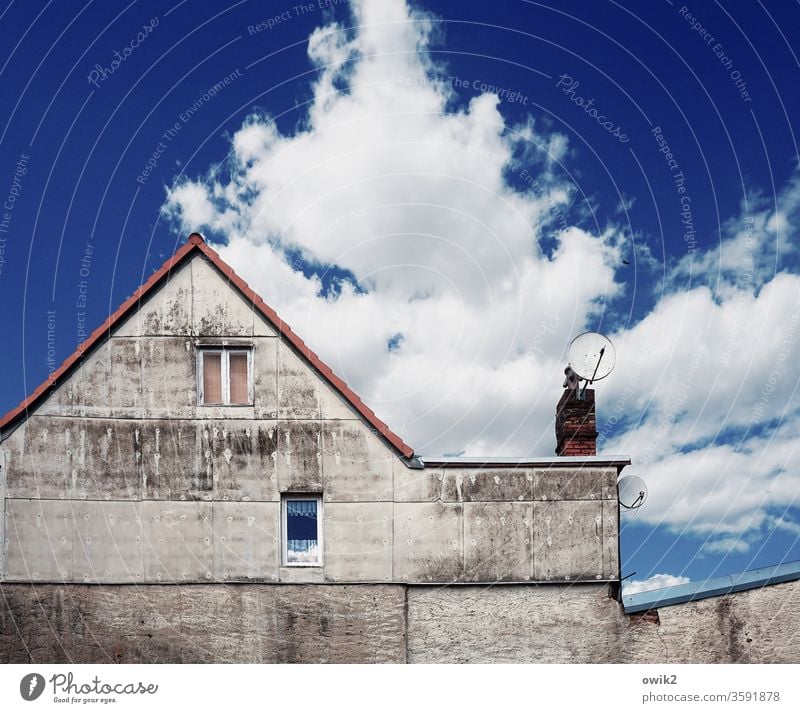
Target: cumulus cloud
column 726, row 545
column 754, row 245
column 431, row 293
column 426, row 249
column 706, row 390
column 657, row 581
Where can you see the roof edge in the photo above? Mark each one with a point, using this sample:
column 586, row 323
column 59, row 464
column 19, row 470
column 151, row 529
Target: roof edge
column 716, row 587
column 195, row 242
column 51, row 382
column 616, row 461
column 303, row 349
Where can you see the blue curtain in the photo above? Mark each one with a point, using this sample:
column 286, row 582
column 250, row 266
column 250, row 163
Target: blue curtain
column 301, row 508
column 301, row 524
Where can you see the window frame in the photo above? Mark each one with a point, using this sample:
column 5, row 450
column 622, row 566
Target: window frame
column 285, row 499
column 224, row 351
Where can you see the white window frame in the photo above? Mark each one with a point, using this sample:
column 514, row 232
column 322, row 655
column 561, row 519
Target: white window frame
column 224, row 352
column 285, row 530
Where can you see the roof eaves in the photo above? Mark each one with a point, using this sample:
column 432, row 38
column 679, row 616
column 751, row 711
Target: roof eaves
column 196, row 242
column 716, row 587
column 286, row 331
column 615, row 461
column 85, row 346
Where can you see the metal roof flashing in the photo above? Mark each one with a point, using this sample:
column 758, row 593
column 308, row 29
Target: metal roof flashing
column 601, row 461
column 716, row 587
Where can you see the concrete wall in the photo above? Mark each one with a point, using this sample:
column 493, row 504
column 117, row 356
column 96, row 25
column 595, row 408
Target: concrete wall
column 202, row 624
column 120, row 476
column 581, row 624
column 371, row 623
column 459, row 535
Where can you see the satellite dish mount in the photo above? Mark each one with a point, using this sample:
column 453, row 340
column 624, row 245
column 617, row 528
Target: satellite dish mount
column 632, row 492
column 591, row 357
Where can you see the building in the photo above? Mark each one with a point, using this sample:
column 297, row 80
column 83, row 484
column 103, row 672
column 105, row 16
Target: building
column 194, row 484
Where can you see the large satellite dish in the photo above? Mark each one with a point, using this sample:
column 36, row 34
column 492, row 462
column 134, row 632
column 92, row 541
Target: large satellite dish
column 592, row 356
column 632, row 492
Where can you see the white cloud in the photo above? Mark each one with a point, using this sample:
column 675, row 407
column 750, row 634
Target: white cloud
column 726, row 545
column 712, row 386
column 194, row 202
column 753, row 245
column 386, row 181
column 783, row 523
column 657, row 581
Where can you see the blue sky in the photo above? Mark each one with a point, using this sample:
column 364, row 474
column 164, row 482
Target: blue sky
column 438, row 198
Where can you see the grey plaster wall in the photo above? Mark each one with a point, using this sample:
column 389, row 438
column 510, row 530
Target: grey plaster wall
column 756, row 626
column 120, row 476
column 211, row 537
column 202, row 624
column 373, row 623
column 581, row 624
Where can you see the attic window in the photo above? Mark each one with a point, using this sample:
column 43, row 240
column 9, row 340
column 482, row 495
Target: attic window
column 225, row 376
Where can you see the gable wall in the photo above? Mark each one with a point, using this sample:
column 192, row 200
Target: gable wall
column 120, row 476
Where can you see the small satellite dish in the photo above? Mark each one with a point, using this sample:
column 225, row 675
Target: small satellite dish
column 632, row 492
column 592, row 356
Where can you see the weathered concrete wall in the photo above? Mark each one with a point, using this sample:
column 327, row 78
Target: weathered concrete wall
column 536, row 623
column 755, row 626
column 580, row 624
column 246, row 623
column 141, row 539
column 121, row 476
column 202, row 624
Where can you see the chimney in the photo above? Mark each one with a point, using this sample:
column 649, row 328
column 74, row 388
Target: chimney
column 576, row 427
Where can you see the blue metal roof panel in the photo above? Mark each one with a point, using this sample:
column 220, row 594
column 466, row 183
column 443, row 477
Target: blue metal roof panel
column 716, row 587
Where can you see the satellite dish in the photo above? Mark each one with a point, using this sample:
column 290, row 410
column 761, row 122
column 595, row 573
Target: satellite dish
column 632, row 492
column 592, row 356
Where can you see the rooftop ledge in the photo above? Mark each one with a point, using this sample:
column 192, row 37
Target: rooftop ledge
column 604, row 461
column 716, row 587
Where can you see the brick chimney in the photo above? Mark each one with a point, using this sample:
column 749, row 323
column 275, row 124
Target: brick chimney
column 576, row 427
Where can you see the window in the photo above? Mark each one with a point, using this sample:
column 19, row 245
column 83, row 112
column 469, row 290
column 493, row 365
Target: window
column 225, row 376
column 302, row 530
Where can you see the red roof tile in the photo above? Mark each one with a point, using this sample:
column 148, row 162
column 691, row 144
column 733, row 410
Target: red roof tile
column 195, row 243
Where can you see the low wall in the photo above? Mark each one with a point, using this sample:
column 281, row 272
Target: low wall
column 246, row 623
column 394, row 623
column 580, row 624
